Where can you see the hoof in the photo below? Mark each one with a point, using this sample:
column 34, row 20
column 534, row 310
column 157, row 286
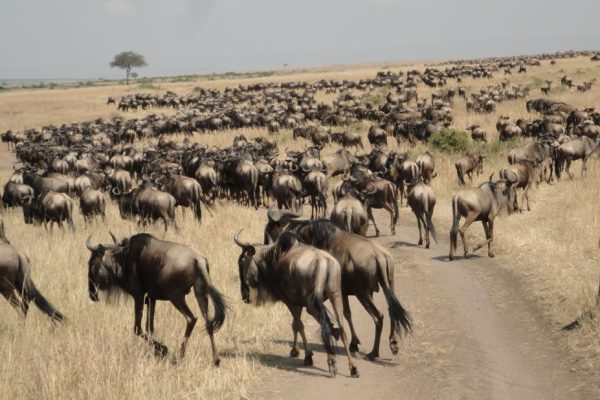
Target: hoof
column 427, row 246
column 294, row 353
column 394, row 347
column 354, row 372
column 335, row 332
column 491, row 255
column 353, row 347
column 450, row 258
column 420, row 243
column 332, row 368
column 160, row 350
column 308, row 360
column 372, row 356
column 217, row 362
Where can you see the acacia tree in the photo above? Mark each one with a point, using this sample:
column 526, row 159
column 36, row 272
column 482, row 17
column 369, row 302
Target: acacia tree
column 127, row 60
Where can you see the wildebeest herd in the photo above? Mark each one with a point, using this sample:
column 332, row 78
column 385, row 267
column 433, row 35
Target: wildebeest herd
column 301, row 263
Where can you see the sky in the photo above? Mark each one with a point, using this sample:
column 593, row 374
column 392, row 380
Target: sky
column 77, row 39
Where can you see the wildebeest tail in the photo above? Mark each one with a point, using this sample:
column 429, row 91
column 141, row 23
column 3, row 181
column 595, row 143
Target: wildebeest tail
column 220, row 307
column 324, row 321
column 459, row 173
column 429, row 221
column 455, row 221
column 399, row 317
column 558, row 164
column 218, row 300
column 31, row 293
column 348, row 219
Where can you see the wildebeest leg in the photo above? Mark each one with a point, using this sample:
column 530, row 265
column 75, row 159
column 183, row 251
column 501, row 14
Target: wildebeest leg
column 159, row 349
column 526, row 196
column 583, row 166
column 370, row 214
column 298, row 327
column 426, row 228
column 190, row 319
column 392, row 217
column 419, row 225
column 366, row 300
column 487, row 228
column 567, row 168
column 336, row 302
column 202, row 299
column 468, row 221
column 354, row 341
column 150, row 317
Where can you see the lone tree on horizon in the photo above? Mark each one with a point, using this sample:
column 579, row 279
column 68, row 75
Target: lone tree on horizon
column 127, row 60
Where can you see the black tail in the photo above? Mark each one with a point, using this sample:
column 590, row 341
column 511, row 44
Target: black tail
column 220, row 307
column 30, row 293
column 399, row 317
column 429, row 221
column 558, row 164
column 459, row 172
column 430, row 226
column 325, row 322
column 455, row 221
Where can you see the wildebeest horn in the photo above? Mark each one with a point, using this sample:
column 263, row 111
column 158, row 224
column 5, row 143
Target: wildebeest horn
column 115, row 241
column 245, row 246
column 88, row 244
column 491, row 177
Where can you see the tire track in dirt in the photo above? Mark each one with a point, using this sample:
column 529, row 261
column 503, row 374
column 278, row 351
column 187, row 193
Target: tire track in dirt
column 475, row 337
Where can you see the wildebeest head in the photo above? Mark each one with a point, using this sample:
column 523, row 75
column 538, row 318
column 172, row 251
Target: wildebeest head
column 29, row 209
column 505, row 195
column 248, row 268
column 103, row 266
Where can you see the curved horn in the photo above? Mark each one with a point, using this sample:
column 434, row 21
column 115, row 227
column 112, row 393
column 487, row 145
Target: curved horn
column 491, row 176
column 245, row 246
column 114, row 239
column 88, row 244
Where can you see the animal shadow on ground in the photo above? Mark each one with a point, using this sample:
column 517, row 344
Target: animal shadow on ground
column 444, row 257
column 402, row 243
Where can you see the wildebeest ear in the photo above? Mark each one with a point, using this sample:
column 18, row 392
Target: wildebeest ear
column 114, row 239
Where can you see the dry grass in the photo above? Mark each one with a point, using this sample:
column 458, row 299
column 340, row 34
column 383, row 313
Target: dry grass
column 552, row 249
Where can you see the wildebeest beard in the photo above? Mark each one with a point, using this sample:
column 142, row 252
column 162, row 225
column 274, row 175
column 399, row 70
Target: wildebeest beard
column 266, row 291
column 113, row 264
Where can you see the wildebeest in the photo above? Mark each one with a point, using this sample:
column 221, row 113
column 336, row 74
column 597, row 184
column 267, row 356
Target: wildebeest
column 15, row 281
column 49, row 207
column 421, row 200
column 426, row 165
column 148, row 270
column 15, row 194
column 40, row 184
column 480, row 204
column 300, row 276
column 149, row 203
column 467, row 164
column 577, row 149
column 92, row 203
column 315, row 185
column 347, row 139
column 186, row 191
column 350, row 215
column 477, row 133
column 366, row 266
column 521, row 175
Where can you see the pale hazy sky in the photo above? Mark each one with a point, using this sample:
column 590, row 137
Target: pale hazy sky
column 78, row 38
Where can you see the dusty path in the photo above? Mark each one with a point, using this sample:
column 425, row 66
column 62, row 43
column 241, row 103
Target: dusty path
column 474, row 338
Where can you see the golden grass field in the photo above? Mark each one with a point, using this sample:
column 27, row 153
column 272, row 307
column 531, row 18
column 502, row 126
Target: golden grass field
column 553, row 250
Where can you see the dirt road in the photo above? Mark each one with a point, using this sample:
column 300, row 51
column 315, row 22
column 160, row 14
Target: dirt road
column 475, row 337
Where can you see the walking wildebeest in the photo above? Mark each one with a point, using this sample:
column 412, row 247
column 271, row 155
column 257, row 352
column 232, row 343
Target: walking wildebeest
column 148, row 270
column 49, row 206
column 421, row 200
column 577, row 149
column 521, row 175
column 467, row 164
column 426, row 165
column 92, row 203
column 350, row 214
column 480, row 204
column 366, row 266
column 300, row 276
column 15, row 281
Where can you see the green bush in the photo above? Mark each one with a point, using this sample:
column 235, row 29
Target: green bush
column 449, row 140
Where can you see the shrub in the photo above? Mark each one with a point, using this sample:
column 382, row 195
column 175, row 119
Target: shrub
column 449, row 140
